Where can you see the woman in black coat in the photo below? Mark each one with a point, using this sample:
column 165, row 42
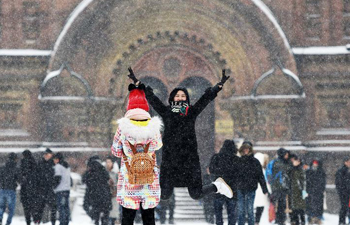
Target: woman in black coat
column 315, row 188
column 98, row 192
column 29, row 182
column 180, row 161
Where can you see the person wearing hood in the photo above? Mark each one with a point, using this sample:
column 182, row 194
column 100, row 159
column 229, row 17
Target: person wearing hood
column 137, row 138
column 62, row 187
column 46, row 194
column 280, row 184
column 113, row 170
column 225, row 164
column 315, row 188
column 9, row 179
column 261, row 200
column 97, row 199
column 342, row 184
column 180, row 160
column 250, row 175
column 29, row 184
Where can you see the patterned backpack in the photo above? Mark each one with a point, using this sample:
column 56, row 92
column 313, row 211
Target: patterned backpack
column 141, row 167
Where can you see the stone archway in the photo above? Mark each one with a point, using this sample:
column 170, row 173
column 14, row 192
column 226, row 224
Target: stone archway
column 102, row 38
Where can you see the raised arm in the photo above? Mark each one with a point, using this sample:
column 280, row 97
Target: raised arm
column 153, row 100
column 209, row 95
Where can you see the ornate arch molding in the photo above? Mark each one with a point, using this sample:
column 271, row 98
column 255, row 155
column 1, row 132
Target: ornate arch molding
column 192, row 43
column 88, row 13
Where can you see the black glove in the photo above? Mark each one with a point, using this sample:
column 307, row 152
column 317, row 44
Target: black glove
column 224, row 78
column 132, row 76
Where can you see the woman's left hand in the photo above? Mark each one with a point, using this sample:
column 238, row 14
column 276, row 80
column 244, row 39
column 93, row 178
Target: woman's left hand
column 224, row 78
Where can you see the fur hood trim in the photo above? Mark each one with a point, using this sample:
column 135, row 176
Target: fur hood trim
column 153, row 128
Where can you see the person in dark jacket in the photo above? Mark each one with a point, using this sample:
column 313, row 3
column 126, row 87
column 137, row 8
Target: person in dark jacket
column 98, row 192
column 29, row 183
column 297, row 187
column 315, row 188
column 280, row 184
column 9, row 178
column 250, row 174
column 225, row 164
column 342, row 184
column 180, row 160
column 46, row 194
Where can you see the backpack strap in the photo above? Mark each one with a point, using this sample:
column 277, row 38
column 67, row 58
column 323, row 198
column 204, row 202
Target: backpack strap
column 133, row 148
column 147, row 147
column 126, row 161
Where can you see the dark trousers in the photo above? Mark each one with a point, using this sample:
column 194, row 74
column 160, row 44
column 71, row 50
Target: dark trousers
column 280, row 202
column 98, row 214
column 51, row 202
column 258, row 213
column 162, row 208
column 219, row 202
column 344, row 207
column 298, row 216
column 196, row 192
column 62, row 202
column 128, row 216
column 30, row 210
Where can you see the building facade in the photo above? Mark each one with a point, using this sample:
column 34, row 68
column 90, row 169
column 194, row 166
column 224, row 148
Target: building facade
column 64, row 65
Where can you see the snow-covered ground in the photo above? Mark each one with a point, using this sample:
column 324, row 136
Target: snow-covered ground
column 79, row 217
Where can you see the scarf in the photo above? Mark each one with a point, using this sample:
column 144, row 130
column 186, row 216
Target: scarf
column 180, row 107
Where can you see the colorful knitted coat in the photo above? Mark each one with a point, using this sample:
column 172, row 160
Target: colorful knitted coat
column 128, row 195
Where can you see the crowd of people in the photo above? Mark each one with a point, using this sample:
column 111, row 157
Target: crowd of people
column 42, row 183
column 288, row 185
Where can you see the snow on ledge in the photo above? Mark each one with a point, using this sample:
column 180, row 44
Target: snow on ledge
column 24, row 52
column 322, row 50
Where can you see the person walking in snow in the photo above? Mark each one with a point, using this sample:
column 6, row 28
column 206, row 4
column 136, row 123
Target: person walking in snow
column 9, row 179
column 261, row 200
column 342, row 184
column 113, row 170
column 296, row 195
column 280, row 182
column 250, row 174
column 29, row 182
column 315, row 188
column 225, row 164
column 62, row 187
column 180, row 160
column 97, row 199
column 136, row 140
column 46, row 194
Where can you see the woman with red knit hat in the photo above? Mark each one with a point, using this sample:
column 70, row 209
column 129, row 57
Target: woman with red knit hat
column 136, row 140
column 180, row 160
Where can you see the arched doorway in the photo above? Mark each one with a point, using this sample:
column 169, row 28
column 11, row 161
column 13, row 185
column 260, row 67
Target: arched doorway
column 168, row 67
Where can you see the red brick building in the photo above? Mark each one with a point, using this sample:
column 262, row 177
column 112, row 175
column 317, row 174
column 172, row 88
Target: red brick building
column 64, row 65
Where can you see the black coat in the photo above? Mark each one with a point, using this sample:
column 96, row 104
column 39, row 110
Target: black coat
column 9, row 176
column 225, row 164
column 180, row 161
column 315, row 187
column 46, row 173
column 315, row 181
column 97, row 195
column 29, row 181
column 251, row 174
column 342, row 181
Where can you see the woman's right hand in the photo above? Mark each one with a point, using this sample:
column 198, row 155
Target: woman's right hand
column 132, row 77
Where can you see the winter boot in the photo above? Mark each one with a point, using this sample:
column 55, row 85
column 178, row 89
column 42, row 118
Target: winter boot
column 223, row 187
